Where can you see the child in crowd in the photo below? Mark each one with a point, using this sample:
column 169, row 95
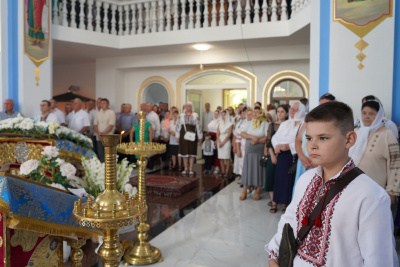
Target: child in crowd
column 208, row 152
column 356, row 226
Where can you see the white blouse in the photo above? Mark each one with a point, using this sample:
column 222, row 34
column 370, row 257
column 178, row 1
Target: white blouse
column 357, row 225
column 213, row 125
column 259, row 132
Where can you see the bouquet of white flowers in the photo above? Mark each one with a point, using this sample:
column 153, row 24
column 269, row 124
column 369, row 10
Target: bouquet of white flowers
column 94, row 179
column 50, row 170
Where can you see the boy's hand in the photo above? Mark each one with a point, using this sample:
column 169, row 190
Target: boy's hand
column 392, row 199
column 274, row 160
column 273, row 263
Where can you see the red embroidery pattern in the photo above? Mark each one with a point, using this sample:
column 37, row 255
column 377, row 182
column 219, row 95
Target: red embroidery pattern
column 273, row 256
column 316, row 245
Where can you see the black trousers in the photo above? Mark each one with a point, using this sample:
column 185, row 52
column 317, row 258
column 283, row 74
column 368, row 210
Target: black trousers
column 208, row 162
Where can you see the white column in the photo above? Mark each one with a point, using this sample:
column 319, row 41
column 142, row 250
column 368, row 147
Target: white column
column 248, row 8
column 265, row 11
column 294, row 8
column 175, row 27
column 197, row 15
column 105, row 20
column 284, row 15
column 274, row 10
column 147, row 19
column 55, row 12
column 97, row 16
column 190, row 15
column 73, row 15
column 214, row 13
column 64, row 13
column 168, row 12
column 120, row 11
column 81, row 14
column 90, row 15
column 257, row 9
column 132, row 23
column 207, row 13
column 113, row 20
column 140, row 18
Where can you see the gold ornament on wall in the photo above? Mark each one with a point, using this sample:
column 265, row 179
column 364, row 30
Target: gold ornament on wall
column 361, row 17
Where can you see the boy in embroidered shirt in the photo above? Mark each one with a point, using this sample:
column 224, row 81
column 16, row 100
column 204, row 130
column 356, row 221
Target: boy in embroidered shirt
column 356, row 226
column 208, row 153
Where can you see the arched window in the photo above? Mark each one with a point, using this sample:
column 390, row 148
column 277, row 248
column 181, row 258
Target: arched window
column 285, row 87
column 286, row 91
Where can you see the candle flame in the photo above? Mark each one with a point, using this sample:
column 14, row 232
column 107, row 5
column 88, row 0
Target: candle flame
column 122, row 132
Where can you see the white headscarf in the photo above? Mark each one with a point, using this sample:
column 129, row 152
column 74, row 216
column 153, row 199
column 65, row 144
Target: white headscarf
column 287, row 131
column 191, row 104
column 272, row 112
column 224, row 124
column 357, row 151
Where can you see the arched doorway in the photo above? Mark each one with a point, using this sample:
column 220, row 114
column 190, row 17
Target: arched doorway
column 285, row 87
column 219, row 81
column 155, row 89
column 155, row 93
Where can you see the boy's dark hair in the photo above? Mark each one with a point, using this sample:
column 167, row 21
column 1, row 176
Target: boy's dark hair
column 328, row 96
column 338, row 112
column 372, row 104
column 206, row 134
column 257, row 108
column 259, row 103
column 106, row 100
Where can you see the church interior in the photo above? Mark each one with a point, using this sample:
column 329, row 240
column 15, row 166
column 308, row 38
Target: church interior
column 131, row 52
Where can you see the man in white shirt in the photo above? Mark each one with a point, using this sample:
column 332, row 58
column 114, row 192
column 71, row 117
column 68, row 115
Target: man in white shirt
column 46, row 115
column 79, row 121
column 60, row 115
column 207, row 117
column 153, row 118
column 68, row 113
column 104, row 123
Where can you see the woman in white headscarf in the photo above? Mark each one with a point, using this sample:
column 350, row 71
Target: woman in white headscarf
column 188, row 123
column 283, row 143
column 376, row 150
column 224, row 145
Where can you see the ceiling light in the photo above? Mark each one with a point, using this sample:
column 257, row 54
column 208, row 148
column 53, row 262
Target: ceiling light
column 201, row 47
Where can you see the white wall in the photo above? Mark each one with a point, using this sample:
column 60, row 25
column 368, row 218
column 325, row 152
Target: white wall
column 350, row 84
column 82, row 75
column 213, row 96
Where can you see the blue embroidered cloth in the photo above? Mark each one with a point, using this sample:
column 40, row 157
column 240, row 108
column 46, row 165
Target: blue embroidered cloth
column 33, row 201
column 70, row 146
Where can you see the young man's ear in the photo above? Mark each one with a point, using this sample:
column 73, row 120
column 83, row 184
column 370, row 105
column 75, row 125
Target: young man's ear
column 351, row 138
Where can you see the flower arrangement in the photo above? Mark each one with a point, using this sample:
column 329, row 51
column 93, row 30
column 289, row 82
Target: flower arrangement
column 56, row 172
column 94, row 180
column 27, row 126
column 50, row 170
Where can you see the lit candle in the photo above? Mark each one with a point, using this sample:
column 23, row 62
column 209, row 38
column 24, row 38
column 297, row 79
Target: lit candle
column 120, row 140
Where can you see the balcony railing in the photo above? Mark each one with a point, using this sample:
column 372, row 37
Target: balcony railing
column 134, row 17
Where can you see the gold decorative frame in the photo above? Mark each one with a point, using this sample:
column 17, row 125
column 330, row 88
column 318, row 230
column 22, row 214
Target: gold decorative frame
column 155, row 79
column 286, row 74
column 362, row 30
column 250, row 77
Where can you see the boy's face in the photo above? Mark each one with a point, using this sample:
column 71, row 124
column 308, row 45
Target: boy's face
column 326, row 145
column 208, row 137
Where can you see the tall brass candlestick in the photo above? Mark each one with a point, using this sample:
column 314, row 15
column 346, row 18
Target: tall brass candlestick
column 111, row 210
column 142, row 252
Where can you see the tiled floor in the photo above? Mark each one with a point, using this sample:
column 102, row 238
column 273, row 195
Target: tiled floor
column 210, row 228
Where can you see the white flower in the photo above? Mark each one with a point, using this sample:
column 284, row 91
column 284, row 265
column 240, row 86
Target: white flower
column 60, row 161
column 58, row 186
column 68, row 170
column 28, row 166
column 50, row 152
column 130, row 189
column 52, row 128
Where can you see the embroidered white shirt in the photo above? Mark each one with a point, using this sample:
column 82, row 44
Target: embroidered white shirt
column 357, row 225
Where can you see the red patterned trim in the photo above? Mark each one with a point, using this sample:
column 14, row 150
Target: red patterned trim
column 273, row 256
column 316, row 245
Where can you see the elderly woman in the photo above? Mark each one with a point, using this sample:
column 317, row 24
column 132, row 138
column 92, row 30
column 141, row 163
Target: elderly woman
column 188, row 123
column 224, row 144
column 212, row 129
column 255, row 134
column 283, row 143
column 376, row 150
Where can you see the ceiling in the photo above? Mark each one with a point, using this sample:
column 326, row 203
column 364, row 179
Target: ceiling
column 69, row 52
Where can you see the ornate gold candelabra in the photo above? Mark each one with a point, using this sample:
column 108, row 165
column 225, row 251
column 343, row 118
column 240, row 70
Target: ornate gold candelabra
column 111, row 210
column 142, row 252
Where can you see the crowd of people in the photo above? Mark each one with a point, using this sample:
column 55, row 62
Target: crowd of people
column 262, row 148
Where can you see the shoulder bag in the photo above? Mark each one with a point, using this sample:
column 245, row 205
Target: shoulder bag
column 289, row 244
column 189, row 136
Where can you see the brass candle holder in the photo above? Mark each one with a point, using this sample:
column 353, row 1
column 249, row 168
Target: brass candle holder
column 111, row 210
column 142, row 252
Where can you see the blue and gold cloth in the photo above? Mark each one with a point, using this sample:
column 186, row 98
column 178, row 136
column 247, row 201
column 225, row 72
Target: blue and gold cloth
column 69, row 146
column 37, row 208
